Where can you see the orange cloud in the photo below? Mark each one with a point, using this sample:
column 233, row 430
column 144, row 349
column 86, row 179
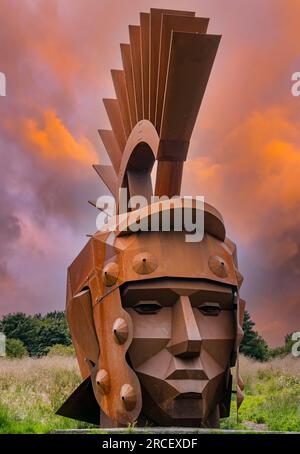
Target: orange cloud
column 54, row 142
column 254, row 176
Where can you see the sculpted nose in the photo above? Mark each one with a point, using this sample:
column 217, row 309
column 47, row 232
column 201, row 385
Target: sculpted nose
column 186, row 339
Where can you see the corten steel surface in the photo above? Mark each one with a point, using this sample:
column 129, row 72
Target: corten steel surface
column 156, row 321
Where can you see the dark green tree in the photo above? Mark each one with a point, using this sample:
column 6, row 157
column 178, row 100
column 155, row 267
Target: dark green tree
column 53, row 330
column 22, row 327
column 38, row 333
column 253, row 345
column 288, row 343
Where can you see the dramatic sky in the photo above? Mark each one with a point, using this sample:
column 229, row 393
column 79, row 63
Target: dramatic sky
column 244, row 155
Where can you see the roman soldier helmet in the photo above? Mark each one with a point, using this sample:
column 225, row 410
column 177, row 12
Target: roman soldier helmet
column 166, row 67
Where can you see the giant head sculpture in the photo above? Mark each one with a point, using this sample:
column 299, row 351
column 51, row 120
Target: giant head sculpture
column 156, row 319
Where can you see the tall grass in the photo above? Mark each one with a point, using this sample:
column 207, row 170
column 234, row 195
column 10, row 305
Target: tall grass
column 272, row 394
column 31, row 390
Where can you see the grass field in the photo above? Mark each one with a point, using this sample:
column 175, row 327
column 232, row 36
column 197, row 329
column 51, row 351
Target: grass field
column 32, row 389
column 272, row 396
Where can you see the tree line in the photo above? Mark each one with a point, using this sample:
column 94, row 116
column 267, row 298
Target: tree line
column 37, row 335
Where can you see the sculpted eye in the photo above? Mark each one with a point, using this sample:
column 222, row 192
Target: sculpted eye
column 147, row 307
column 210, row 309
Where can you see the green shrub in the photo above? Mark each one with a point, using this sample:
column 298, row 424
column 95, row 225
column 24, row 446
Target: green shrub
column 15, row 348
column 61, row 350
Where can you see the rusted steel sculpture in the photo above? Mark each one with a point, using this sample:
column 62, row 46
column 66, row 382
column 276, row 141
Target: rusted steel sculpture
column 155, row 320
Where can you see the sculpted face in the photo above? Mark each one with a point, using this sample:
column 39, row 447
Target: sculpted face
column 183, row 339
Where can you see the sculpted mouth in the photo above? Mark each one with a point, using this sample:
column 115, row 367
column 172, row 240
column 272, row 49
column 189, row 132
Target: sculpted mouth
column 190, row 395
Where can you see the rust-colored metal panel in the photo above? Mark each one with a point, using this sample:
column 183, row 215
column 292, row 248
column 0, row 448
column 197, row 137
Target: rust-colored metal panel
column 127, row 65
column 170, row 176
column 113, row 111
column 143, row 136
column 108, row 176
column 169, row 24
column 186, row 83
column 80, row 269
column 81, row 323
column 136, row 59
column 145, row 43
column 155, row 37
column 112, row 147
column 118, row 78
column 139, row 183
column 103, row 250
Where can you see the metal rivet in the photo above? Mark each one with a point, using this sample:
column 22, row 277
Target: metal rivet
column 120, row 330
column 144, row 263
column 110, row 274
column 103, row 381
column 218, row 266
column 128, row 397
